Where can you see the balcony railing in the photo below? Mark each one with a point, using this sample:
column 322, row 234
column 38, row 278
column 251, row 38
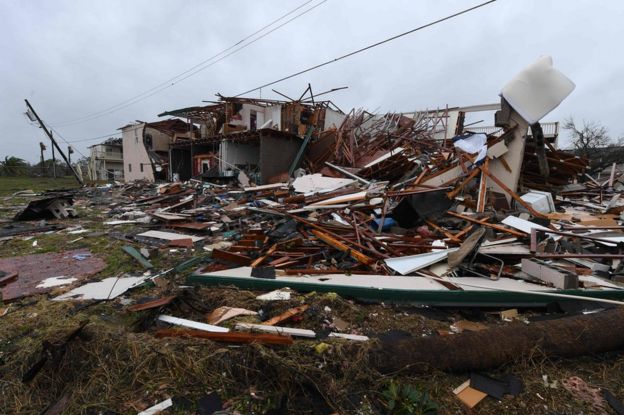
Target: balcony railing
column 107, row 155
column 550, row 129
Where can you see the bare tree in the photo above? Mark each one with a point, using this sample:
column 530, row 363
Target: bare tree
column 588, row 138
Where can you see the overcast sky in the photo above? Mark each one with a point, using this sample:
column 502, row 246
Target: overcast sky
column 71, row 59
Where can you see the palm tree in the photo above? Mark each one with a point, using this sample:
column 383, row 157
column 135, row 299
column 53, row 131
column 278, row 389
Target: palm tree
column 13, row 166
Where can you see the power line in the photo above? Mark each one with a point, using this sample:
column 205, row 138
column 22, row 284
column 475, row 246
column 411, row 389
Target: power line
column 165, row 83
column 368, row 47
column 195, row 69
column 93, row 138
column 253, row 41
column 63, row 138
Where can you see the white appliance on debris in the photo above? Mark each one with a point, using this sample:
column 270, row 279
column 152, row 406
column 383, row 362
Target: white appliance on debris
column 540, row 201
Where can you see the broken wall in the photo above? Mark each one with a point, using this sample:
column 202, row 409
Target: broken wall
column 160, row 141
column 246, row 115
column 238, row 154
column 513, row 160
column 274, row 113
column 180, row 163
column 276, row 155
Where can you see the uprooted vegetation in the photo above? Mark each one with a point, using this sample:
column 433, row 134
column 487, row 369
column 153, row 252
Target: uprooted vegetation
column 117, row 364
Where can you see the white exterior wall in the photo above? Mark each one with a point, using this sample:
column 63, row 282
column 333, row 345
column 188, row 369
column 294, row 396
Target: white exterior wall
column 273, row 113
column 135, row 154
column 334, row 118
column 104, row 159
column 246, row 115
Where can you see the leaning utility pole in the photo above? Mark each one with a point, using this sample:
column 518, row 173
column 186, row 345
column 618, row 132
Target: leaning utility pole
column 53, row 159
column 54, row 143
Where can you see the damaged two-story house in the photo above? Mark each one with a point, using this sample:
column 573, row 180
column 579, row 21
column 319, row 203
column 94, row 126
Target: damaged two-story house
column 259, row 137
column 106, row 160
column 146, row 147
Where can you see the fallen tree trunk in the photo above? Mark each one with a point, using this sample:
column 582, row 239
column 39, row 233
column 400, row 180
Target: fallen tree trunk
column 564, row 337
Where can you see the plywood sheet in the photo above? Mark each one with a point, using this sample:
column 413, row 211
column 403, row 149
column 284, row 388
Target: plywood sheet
column 32, row 270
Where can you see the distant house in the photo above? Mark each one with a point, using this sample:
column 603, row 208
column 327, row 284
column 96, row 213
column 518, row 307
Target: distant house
column 106, row 160
column 146, row 148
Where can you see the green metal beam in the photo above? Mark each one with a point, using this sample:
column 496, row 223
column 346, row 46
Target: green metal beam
column 301, row 152
column 454, row 298
column 137, row 256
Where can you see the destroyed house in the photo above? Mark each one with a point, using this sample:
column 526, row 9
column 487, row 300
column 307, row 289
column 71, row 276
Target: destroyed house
column 262, row 154
column 146, row 147
column 257, row 136
column 106, row 160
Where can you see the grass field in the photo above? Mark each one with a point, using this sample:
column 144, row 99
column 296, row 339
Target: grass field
column 10, row 185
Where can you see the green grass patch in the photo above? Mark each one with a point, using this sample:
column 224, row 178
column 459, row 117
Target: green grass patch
column 10, row 185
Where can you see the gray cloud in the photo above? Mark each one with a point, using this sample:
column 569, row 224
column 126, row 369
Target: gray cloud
column 74, row 58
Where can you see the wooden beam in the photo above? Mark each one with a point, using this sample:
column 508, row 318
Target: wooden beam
column 276, row 329
column 483, row 222
column 286, row 315
column 334, row 235
column 261, row 259
column 443, row 231
column 243, row 248
column 459, row 187
column 161, row 302
column 464, row 231
column 482, row 195
column 511, row 193
column 231, row 257
column 329, row 240
column 227, row 337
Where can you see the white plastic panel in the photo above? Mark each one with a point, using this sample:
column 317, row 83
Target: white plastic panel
column 537, row 90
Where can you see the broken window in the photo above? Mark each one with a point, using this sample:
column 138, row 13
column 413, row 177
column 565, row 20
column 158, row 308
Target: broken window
column 148, row 142
column 129, row 167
